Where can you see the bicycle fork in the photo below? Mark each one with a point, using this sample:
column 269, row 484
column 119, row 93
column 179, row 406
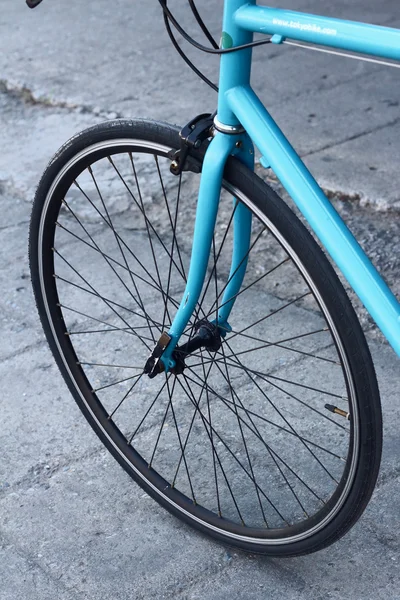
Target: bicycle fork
column 166, row 352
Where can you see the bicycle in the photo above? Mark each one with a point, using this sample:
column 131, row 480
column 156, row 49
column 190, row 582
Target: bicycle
column 260, row 429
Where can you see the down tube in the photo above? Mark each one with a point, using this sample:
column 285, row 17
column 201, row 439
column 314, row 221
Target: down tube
column 319, row 212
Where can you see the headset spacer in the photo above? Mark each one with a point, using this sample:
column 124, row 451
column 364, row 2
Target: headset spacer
column 229, row 129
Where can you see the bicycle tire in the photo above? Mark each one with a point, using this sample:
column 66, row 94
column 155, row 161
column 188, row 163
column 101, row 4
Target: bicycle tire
column 346, row 504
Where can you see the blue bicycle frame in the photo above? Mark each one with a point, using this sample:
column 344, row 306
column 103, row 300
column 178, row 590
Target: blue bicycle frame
column 239, row 107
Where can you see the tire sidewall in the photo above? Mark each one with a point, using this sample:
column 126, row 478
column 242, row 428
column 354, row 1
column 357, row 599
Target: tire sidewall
column 323, row 275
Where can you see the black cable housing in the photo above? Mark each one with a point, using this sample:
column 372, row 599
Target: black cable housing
column 169, row 18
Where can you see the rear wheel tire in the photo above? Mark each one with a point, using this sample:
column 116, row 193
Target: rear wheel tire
column 242, row 446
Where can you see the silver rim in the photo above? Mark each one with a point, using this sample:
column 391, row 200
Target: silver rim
column 163, row 150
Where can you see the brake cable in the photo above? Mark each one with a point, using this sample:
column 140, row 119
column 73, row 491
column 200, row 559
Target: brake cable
column 169, row 18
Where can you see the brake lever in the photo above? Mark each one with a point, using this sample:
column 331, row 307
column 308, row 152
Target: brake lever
column 33, row 3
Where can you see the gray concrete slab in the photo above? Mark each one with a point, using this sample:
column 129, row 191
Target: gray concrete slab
column 75, row 526
column 30, row 136
column 34, row 401
column 22, row 576
column 89, row 532
column 72, row 524
column 118, row 61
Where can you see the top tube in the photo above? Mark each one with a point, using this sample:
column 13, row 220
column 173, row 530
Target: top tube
column 337, row 33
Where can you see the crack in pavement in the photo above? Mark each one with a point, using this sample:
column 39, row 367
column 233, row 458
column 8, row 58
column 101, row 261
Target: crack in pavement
column 39, row 474
column 6, row 543
column 19, row 91
column 387, row 476
column 351, row 138
column 14, row 225
column 21, row 351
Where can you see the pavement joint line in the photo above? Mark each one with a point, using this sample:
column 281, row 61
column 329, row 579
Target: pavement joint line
column 35, row 564
column 355, row 198
column 383, row 539
column 352, row 138
column 216, row 569
column 237, row 555
column 14, row 225
column 40, row 473
column 387, row 477
column 320, row 88
column 27, row 95
column 22, row 351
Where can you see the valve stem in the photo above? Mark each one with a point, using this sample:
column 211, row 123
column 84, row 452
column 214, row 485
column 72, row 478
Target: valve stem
column 338, row 411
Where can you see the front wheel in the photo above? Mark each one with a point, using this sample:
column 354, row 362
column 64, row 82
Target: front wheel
column 272, row 442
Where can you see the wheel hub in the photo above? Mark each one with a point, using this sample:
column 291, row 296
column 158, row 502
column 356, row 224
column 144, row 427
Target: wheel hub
column 207, row 336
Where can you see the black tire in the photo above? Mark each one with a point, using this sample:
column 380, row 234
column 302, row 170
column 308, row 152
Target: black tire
column 344, row 505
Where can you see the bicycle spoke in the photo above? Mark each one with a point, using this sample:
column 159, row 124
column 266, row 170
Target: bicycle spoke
column 119, row 236
column 268, row 344
column 280, row 344
column 110, row 416
column 243, row 468
column 214, row 449
column 173, row 225
column 245, row 257
column 217, row 295
column 91, row 364
column 271, row 314
column 269, row 447
column 260, row 374
column 170, row 394
column 219, row 252
column 269, row 450
column 243, row 439
column 114, row 327
column 251, row 413
column 189, row 430
column 147, row 221
column 116, row 382
column 95, row 293
column 283, row 262
column 109, row 262
column 211, row 438
column 280, row 413
column 113, row 330
column 161, row 427
column 147, row 412
column 107, row 301
column 148, row 236
column 135, row 274
column 284, row 391
column 138, row 300
column 140, row 304
column 174, row 241
column 215, row 279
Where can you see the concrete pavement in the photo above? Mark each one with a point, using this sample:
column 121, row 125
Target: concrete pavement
column 341, row 114
column 72, row 524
